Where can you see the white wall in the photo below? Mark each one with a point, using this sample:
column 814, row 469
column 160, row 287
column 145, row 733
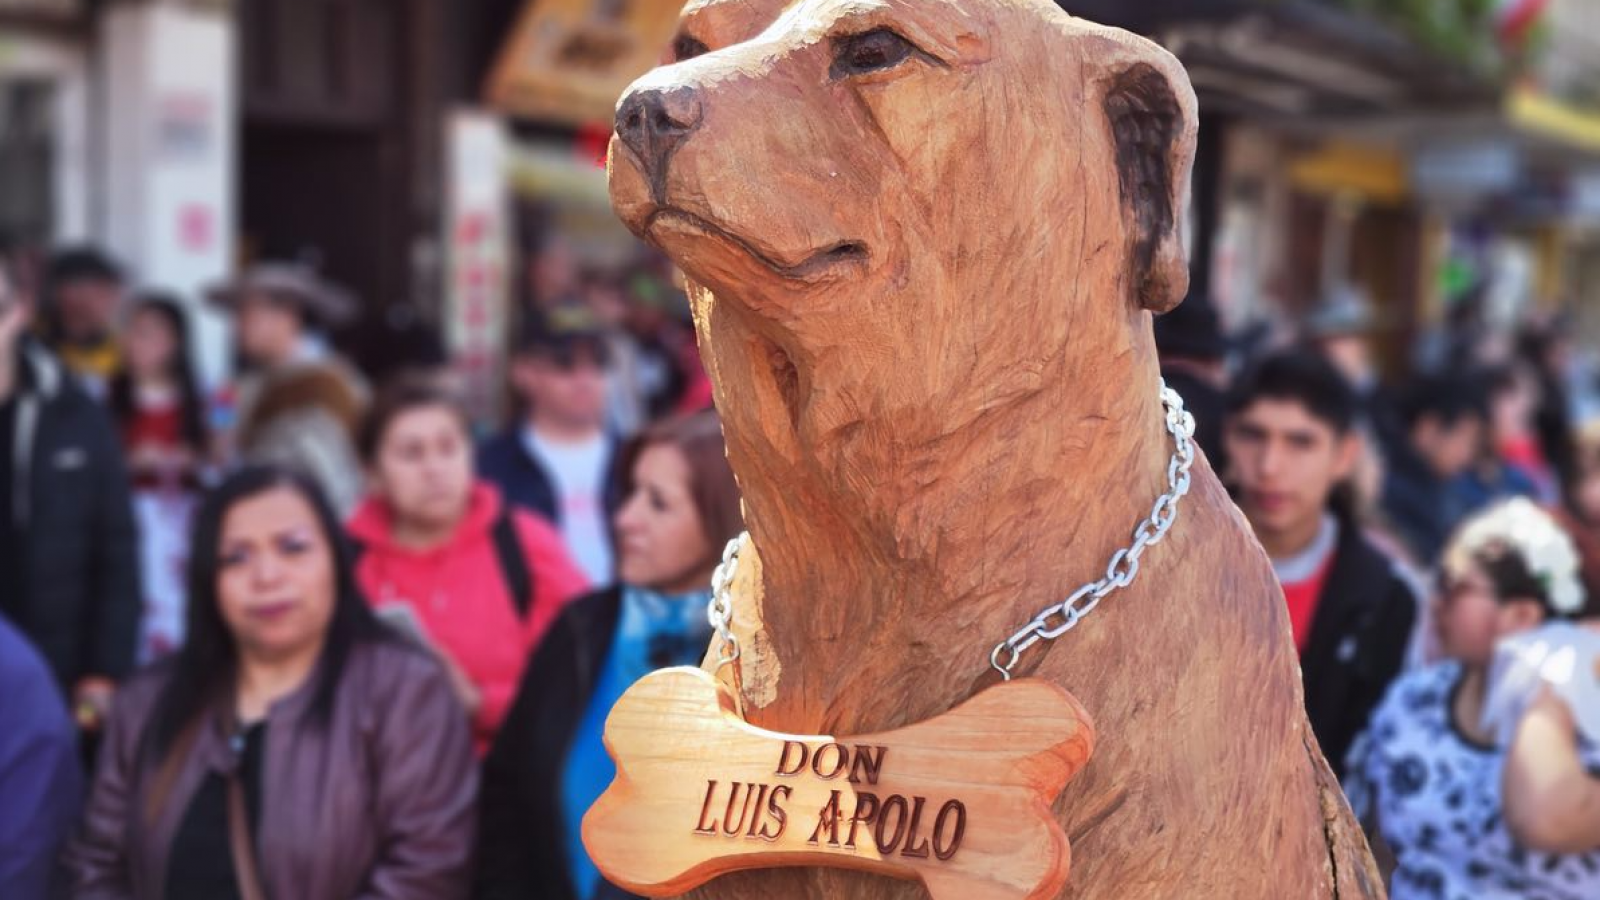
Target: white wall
column 168, row 155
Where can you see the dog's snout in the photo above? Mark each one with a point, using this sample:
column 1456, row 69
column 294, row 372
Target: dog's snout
column 653, row 122
column 667, row 113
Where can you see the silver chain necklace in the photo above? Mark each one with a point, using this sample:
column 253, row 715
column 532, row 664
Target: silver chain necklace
column 1054, row 621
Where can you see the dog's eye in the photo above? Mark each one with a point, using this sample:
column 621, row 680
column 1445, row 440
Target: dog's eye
column 688, row 47
column 872, row 51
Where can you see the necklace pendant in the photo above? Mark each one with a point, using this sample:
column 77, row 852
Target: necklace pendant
column 960, row 802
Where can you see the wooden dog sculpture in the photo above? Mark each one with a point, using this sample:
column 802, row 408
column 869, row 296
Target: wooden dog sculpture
column 926, row 238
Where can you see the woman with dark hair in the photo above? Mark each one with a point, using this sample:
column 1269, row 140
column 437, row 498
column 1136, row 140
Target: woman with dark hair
column 155, row 395
column 548, row 763
column 294, row 747
column 1426, row 776
column 159, row 413
column 443, row 552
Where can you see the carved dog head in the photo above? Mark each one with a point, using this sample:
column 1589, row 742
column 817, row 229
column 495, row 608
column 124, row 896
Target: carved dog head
column 909, row 217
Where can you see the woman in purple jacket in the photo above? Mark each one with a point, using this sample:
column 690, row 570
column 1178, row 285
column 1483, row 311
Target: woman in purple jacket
column 294, row 747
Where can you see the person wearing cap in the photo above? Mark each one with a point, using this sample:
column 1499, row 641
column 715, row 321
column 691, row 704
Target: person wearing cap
column 297, row 404
column 558, row 459
column 1194, row 355
column 1293, row 445
column 83, row 292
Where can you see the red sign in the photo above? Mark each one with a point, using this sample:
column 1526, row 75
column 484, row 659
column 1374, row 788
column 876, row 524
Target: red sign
column 196, row 227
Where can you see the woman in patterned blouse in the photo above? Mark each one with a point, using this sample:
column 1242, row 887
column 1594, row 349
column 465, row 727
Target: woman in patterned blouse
column 1426, row 776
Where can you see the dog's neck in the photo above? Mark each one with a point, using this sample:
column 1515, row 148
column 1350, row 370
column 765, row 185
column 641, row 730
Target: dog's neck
column 959, row 541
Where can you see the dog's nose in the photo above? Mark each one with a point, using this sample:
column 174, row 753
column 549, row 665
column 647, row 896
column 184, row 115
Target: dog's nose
column 654, row 121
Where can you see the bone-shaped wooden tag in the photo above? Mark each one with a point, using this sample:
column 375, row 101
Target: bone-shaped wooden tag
column 960, row 801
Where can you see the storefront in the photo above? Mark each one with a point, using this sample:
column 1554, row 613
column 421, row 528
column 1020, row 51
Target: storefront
column 556, row 82
column 525, row 177
column 44, row 71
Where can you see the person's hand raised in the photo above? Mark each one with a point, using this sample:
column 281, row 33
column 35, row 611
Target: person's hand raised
column 1561, row 661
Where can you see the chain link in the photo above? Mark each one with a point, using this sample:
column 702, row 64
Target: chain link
column 1061, row 618
column 1055, row 620
column 720, row 611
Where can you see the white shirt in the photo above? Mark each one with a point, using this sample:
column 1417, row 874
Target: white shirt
column 577, row 473
column 1308, row 562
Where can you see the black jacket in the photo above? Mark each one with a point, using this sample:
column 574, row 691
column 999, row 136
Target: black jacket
column 77, row 595
column 521, row 833
column 505, row 462
column 1358, row 642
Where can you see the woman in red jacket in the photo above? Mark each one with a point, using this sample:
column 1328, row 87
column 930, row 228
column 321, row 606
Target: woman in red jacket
column 442, row 556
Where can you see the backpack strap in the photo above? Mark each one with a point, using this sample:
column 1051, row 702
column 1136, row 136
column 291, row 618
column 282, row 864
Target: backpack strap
column 513, row 564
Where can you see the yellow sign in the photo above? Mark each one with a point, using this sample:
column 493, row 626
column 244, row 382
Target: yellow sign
column 1543, row 114
column 1376, row 174
column 569, row 60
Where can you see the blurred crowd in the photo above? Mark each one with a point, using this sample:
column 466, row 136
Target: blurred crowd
column 1437, row 537
column 240, row 623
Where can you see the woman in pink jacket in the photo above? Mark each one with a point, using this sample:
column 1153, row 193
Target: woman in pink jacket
column 443, row 557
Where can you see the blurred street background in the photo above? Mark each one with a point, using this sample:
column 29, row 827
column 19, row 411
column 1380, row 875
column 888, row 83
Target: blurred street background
column 370, row 242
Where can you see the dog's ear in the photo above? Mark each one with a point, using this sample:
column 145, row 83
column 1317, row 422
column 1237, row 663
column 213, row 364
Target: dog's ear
column 1151, row 108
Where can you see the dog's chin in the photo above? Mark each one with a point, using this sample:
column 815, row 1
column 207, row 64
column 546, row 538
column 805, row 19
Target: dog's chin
column 717, row 256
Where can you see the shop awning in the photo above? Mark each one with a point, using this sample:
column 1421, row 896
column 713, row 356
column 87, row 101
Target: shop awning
column 50, row 10
column 49, row 18
column 1294, row 59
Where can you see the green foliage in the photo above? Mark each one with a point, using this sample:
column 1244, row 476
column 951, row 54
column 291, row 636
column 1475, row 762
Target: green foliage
column 1460, row 31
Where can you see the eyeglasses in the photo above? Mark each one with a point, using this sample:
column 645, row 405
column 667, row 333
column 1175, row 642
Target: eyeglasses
column 1452, row 589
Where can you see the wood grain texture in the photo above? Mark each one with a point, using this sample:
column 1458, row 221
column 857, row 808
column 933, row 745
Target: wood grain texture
column 960, row 802
column 924, row 295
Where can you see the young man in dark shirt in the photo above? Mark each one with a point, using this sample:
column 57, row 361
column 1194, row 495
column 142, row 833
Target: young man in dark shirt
column 1292, row 441
column 83, row 290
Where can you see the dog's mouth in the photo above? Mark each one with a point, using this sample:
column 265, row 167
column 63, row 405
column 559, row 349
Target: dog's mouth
column 825, row 264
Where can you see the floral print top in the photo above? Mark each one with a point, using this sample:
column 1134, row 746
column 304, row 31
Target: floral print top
column 1436, row 796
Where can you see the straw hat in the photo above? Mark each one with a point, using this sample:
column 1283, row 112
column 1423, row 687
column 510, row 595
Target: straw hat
column 291, row 284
